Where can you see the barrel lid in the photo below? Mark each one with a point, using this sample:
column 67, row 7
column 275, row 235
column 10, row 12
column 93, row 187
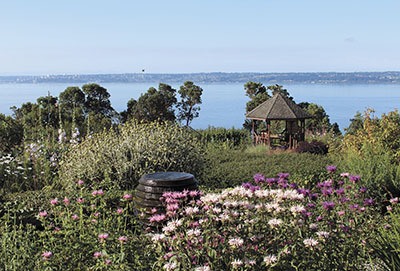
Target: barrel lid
column 166, row 178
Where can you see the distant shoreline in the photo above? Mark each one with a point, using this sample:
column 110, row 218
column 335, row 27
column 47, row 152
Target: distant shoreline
column 389, row 77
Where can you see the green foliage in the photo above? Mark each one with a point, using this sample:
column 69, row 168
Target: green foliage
column 122, row 157
column 374, row 152
column 387, row 243
column 229, row 137
column 188, row 108
column 85, row 229
column 154, row 105
column 227, row 167
column 375, row 165
column 257, row 93
column 11, row 133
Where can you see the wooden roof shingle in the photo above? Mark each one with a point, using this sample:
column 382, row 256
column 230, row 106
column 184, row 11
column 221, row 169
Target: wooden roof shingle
column 279, row 107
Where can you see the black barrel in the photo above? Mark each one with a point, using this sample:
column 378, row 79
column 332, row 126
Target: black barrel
column 152, row 186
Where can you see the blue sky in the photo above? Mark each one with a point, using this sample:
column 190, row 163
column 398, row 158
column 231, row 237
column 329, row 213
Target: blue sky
column 122, row 36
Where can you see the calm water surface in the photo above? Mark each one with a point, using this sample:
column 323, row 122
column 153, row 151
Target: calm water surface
column 224, row 104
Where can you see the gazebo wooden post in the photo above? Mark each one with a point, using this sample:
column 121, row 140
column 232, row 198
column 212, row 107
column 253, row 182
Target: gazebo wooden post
column 268, row 133
column 253, row 135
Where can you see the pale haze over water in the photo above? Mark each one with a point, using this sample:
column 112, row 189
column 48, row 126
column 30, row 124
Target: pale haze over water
column 224, row 104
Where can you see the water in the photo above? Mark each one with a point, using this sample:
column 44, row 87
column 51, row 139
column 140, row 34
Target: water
column 224, row 104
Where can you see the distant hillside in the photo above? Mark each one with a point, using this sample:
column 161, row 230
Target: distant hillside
column 217, row 77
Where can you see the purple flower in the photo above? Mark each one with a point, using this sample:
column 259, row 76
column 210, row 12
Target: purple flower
column 354, row 178
column 327, row 191
column 339, row 191
column 259, row 178
column 368, row 202
column 354, row 207
column 331, row 168
column 283, row 175
column 303, row 191
column 363, row 189
column 328, row 205
column 271, row 181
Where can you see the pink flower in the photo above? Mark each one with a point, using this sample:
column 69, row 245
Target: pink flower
column 47, row 255
column 80, row 182
column 103, row 236
column 127, row 196
column 54, row 201
column 43, row 214
column 97, row 254
column 80, row 200
column 75, row 217
column 157, row 218
column 108, row 262
column 122, row 239
column 120, row 211
column 66, row 201
column 98, row 192
column 341, row 213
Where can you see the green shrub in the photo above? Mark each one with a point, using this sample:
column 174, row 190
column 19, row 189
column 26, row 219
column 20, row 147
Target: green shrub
column 387, row 243
column 83, row 229
column 379, row 173
column 227, row 167
column 120, row 158
column 231, row 137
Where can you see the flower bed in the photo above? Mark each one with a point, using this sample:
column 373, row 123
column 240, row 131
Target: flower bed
column 268, row 224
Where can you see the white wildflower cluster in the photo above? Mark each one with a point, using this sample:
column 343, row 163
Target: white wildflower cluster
column 34, row 150
column 171, row 226
column 191, row 210
column 171, row 266
column 62, row 136
column 193, row 232
column 270, row 259
column 310, row 243
column 157, row 237
column 323, row 234
column 236, row 242
column 275, row 222
column 203, row 268
column 75, row 136
column 297, row 209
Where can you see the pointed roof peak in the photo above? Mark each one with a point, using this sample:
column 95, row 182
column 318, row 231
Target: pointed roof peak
column 278, row 107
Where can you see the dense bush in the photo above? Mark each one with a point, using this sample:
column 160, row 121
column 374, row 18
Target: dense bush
column 85, row 229
column 268, row 225
column 120, row 158
column 387, row 243
column 228, row 167
column 231, row 137
column 315, row 147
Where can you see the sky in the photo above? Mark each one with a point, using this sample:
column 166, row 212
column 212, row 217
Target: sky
column 185, row 36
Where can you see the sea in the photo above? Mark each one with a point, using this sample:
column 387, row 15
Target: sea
column 223, row 104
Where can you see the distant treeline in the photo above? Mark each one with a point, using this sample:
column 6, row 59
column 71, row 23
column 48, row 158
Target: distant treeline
column 392, row 77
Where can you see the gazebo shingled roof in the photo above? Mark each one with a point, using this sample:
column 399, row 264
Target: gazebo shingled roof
column 278, row 107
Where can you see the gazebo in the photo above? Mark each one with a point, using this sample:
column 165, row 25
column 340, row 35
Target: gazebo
column 277, row 108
